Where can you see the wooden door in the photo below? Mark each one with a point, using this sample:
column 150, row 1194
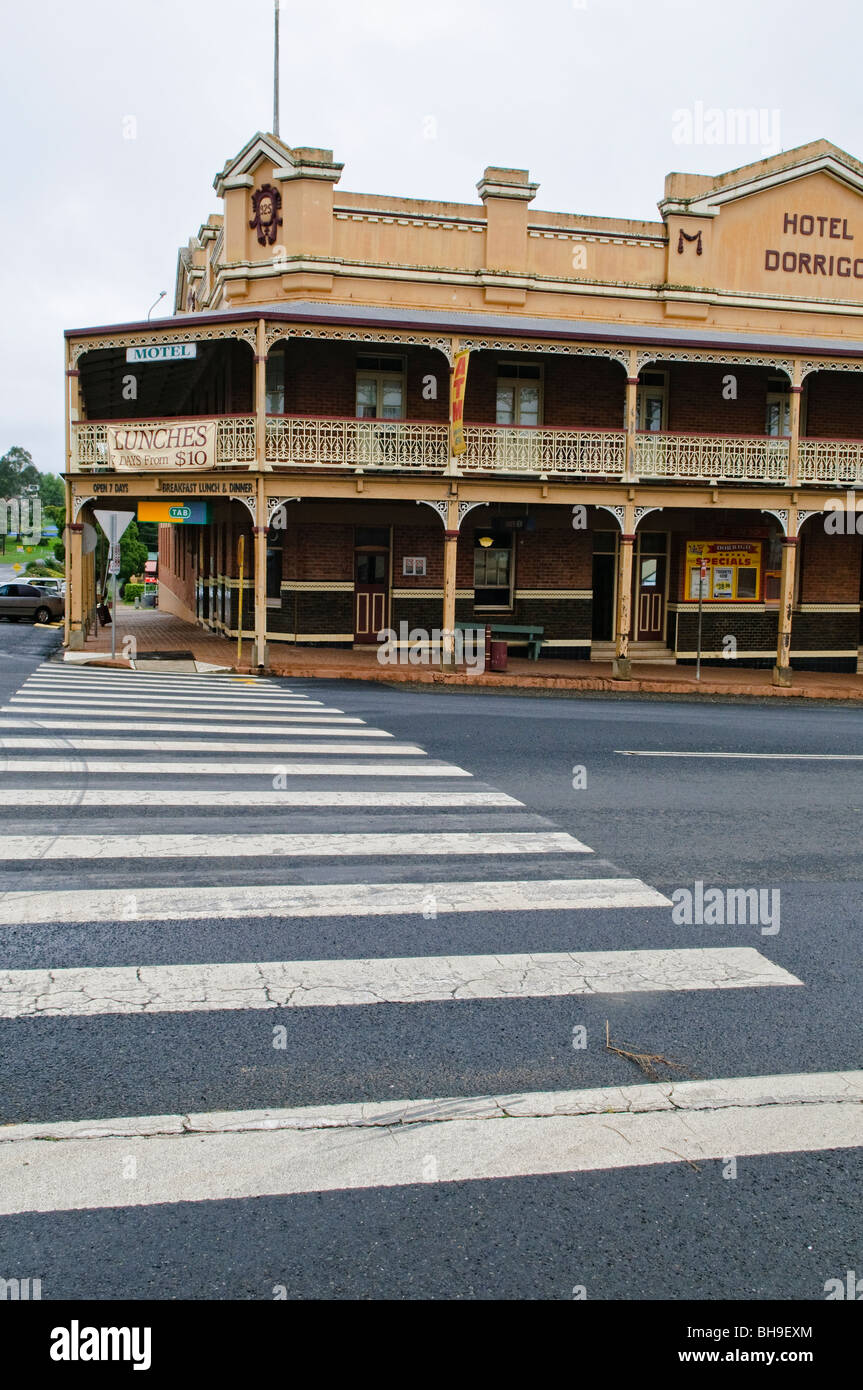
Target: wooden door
column 371, row 572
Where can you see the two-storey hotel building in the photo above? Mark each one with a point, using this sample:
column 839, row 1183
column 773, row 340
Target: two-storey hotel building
column 659, row 416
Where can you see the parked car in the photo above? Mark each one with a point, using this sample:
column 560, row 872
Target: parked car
column 26, row 601
column 48, row 585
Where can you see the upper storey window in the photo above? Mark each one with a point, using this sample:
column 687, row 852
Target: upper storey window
column 778, row 419
column 519, row 394
column 380, row 388
column 653, row 401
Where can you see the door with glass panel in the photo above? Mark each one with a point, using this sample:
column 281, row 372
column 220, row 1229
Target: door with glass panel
column 371, row 582
column 649, row 571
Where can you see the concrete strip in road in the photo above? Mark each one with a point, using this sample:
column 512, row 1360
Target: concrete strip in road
column 38, row 847
column 719, row 1093
column 96, row 990
column 82, row 1174
column 191, row 903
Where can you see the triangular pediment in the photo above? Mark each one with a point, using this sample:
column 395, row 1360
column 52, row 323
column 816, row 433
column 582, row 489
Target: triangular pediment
column 704, row 195
column 256, row 151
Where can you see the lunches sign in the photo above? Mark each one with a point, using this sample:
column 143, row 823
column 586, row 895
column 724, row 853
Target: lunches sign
column 177, row 445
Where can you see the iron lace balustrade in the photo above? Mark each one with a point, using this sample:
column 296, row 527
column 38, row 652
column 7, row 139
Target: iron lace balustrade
column 235, row 439
column 705, row 458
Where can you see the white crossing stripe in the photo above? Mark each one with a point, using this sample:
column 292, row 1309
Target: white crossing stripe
column 327, row 900
column 183, row 727
column 140, row 704
column 54, row 742
column 56, row 710
column 117, row 766
column 73, row 797
column 779, row 757
column 130, row 681
column 161, row 989
column 28, row 847
column 342, row 1148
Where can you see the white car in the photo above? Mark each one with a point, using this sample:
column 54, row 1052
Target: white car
column 48, row 586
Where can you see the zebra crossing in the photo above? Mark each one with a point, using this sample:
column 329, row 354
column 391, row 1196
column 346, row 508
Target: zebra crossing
column 123, row 876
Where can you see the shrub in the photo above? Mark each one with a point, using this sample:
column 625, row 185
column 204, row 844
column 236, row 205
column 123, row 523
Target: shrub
column 132, row 591
column 59, row 552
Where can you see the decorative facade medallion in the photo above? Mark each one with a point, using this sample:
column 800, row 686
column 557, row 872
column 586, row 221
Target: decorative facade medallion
column 266, row 210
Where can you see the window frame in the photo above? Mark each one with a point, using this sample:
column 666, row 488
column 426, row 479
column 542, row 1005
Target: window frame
column 509, row 373
column 651, row 390
column 507, row 548
column 381, row 377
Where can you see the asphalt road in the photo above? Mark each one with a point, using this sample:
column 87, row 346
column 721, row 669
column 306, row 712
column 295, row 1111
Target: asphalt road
column 677, row 1229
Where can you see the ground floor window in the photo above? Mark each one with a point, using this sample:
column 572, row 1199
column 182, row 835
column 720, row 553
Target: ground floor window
column 492, row 570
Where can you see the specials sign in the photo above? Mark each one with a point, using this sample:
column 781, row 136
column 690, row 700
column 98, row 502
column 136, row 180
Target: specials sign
column 179, row 444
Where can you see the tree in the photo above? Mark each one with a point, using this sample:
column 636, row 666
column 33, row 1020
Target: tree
column 133, row 553
column 52, row 493
column 18, row 473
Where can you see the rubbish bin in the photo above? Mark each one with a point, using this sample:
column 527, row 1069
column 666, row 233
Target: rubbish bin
column 498, row 656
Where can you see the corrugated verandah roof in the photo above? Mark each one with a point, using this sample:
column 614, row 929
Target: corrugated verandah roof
column 505, row 325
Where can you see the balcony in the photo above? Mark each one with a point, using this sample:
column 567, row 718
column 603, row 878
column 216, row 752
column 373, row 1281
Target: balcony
column 708, row 458
column 234, row 441
column 415, row 446
column 835, row 462
column 410, row 446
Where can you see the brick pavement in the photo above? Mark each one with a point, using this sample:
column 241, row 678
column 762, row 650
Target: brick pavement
column 155, row 631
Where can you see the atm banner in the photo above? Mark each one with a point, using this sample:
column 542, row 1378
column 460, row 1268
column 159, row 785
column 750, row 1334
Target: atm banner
column 459, row 385
column 176, row 513
column 178, row 444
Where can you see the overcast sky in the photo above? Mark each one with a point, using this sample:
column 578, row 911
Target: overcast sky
column 413, row 98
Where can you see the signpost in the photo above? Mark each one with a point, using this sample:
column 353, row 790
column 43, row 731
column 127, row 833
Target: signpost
column 241, row 550
column 114, row 524
column 701, row 583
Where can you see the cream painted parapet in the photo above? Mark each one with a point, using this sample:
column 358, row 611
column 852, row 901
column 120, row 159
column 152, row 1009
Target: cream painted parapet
column 506, row 194
column 307, row 186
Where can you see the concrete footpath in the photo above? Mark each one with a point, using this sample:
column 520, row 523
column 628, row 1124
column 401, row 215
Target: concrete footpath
column 171, row 639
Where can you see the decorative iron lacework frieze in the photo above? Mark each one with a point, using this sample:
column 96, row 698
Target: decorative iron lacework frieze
column 565, row 349
column 845, row 364
column 362, row 337
column 78, row 504
column 618, row 512
column 723, row 359
column 244, row 332
column 274, row 504
column 781, row 516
